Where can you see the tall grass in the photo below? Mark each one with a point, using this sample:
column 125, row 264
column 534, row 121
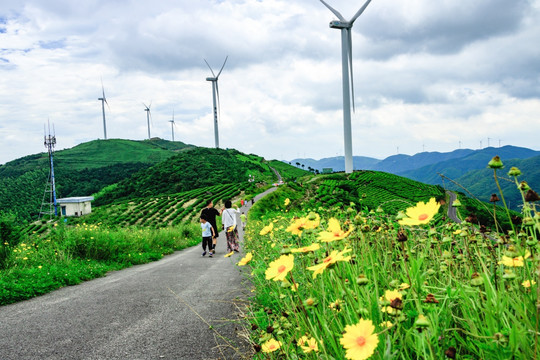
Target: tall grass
column 461, row 293
column 69, row 255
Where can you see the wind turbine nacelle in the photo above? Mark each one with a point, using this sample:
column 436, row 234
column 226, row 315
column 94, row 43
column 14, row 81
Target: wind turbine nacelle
column 210, row 79
column 336, row 24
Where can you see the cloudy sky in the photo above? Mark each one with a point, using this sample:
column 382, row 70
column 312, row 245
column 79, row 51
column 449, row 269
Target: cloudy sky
column 429, row 75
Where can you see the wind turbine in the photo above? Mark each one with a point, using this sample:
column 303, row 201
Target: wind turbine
column 172, row 125
column 103, row 102
column 147, row 109
column 346, row 64
column 215, row 93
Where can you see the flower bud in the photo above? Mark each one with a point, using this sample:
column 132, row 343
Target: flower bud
column 362, row 279
column 514, row 171
column 523, row 186
column 421, row 321
column 495, row 163
column 401, row 237
column 494, row 198
column 531, row 195
column 450, row 352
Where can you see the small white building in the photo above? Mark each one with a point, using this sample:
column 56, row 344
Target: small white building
column 75, row 206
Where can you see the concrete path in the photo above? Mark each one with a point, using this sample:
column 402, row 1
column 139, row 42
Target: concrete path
column 181, row 307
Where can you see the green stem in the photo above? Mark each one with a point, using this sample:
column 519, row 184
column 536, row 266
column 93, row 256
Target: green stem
column 504, row 202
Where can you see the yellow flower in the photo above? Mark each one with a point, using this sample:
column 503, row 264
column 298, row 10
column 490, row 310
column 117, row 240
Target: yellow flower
column 336, row 305
column 287, row 201
column 245, row 259
column 265, row 230
column 404, row 286
column 271, row 346
column 304, row 249
column 308, row 344
column 386, row 324
column 528, row 283
column 226, row 255
column 359, row 340
column 420, row 214
column 391, row 295
column 278, row 269
column 334, row 257
column 304, row 223
column 333, row 232
column 517, row 261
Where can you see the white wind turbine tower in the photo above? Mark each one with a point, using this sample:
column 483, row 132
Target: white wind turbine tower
column 346, row 64
column 172, row 125
column 215, row 93
column 147, row 109
column 103, row 102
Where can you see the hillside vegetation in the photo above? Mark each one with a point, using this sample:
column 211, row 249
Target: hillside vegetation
column 188, row 170
column 80, row 171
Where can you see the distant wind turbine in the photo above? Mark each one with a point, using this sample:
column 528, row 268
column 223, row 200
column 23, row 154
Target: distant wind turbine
column 172, row 125
column 103, row 102
column 346, row 64
column 147, row 109
column 215, row 93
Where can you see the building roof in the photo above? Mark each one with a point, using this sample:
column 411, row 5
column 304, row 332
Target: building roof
column 74, row 200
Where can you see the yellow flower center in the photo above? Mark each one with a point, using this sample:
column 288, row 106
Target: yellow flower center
column 361, row 341
column 281, row 269
column 423, row 217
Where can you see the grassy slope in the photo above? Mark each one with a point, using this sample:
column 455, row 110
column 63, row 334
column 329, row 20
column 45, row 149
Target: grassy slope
column 81, row 170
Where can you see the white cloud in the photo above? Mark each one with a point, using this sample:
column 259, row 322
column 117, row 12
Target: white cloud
column 427, row 74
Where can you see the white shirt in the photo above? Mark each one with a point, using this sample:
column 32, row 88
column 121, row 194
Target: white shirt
column 228, row 217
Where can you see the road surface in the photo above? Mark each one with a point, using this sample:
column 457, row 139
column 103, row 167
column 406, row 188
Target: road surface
column 181, row 307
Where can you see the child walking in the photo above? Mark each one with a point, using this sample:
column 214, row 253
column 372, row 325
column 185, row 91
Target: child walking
column 207, row 235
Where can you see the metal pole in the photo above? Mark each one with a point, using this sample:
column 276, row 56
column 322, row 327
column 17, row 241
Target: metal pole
column 216, row 131
column 346, row 101
column 148, row 121
column 103, row 111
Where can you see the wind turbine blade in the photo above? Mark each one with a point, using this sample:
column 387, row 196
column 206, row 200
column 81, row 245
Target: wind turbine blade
column 339, row 16
column 145, row 107
column 212, row 71
column 349, row 50
column 222, row 66
column 359, row 12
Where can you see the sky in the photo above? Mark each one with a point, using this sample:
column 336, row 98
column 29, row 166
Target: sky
column 428, row 75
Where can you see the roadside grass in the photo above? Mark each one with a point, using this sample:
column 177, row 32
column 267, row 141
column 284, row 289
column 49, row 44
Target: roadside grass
column 434, row 291
column 69, row 255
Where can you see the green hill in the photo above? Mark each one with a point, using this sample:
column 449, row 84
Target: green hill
column 188, row 170
column 82, row 170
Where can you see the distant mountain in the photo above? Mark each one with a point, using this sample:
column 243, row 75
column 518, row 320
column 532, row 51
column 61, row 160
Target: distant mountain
column 79, row 171
column 476, row 160
column 482, row 184
column 425, row 165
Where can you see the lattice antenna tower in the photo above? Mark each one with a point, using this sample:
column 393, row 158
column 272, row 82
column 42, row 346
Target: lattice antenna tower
column 51, row 207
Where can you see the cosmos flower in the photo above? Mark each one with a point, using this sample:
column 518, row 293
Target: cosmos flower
column 287, row 201
column 265, row 230
column 245, row 259
column 226, row 255
column 271, row 346
column 517, row 261
column 278, row 269
column 333, row 232
column 309, row 248
column 308, row 344
column 304, row 223
column 528, row 283
column 359, row 340
column 331, row 259
column 420, row 214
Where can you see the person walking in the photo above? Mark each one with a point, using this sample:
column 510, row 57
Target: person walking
column 207, row 235
column 211, row 213
column 243, row 219
column 228, row 218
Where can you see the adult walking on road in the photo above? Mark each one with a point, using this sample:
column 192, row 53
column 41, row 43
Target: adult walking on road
column 210, row 213
column 228, row 219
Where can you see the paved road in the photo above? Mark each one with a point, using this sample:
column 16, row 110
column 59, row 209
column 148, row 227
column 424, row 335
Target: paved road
column 161, row 310
column 452, row 211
